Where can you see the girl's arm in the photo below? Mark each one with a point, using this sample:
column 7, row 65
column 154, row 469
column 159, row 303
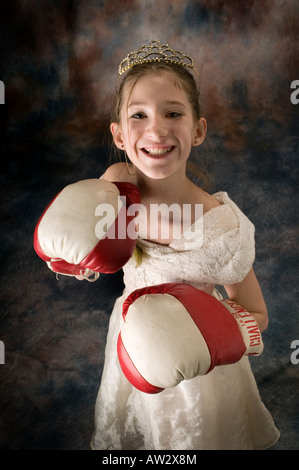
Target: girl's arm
column 248, row 295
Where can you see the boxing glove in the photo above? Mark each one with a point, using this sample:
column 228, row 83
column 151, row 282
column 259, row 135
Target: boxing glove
column 174, row 332
column 73, row 240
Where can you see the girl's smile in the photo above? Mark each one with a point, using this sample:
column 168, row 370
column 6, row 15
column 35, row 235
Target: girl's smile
column 158, row 152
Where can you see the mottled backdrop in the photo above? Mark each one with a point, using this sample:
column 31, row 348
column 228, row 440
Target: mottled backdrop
column 59, row 64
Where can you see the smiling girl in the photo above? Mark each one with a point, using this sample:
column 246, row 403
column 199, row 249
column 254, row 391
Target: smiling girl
column 156, row 123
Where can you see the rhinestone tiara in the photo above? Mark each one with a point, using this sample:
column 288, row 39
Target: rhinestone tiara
column 155, row 52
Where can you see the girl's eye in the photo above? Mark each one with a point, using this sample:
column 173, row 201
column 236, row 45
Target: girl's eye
column 173, row 114
column 138, row 116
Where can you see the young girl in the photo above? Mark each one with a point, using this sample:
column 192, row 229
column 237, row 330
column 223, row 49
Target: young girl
column 157, row 122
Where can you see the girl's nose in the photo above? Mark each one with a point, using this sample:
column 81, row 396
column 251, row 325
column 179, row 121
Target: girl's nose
column 157, row 128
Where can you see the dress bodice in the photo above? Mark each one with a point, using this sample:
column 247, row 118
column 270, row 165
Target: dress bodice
column 218, row 248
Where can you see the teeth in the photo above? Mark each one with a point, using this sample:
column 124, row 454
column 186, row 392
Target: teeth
column 158, row 151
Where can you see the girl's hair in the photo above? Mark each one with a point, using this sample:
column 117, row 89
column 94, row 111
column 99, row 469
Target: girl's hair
column 184, row 80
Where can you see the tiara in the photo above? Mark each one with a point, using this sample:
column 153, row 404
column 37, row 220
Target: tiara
column 155, row 52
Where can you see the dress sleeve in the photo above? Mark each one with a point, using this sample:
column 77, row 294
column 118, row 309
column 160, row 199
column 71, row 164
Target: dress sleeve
column 229, row 240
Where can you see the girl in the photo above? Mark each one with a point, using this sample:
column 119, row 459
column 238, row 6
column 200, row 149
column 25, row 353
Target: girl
column 157, row 122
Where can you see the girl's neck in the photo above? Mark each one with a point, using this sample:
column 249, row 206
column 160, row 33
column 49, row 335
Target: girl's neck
column 167, row 190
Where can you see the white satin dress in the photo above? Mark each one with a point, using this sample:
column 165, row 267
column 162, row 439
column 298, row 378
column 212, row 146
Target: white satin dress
column 218, row 411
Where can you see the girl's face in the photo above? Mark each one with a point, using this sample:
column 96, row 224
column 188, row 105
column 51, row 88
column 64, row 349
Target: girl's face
column 157, row 128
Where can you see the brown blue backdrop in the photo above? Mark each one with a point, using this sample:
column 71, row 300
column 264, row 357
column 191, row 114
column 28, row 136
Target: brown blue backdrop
column 59, row 63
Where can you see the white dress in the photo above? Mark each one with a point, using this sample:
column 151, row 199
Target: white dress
column 221, row 410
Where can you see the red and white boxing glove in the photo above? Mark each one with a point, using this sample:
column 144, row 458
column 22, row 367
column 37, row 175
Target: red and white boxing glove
column 174, row 332
column 73, row 240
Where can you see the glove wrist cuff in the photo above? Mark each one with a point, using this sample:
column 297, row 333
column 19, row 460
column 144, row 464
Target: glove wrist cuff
column 248, row 327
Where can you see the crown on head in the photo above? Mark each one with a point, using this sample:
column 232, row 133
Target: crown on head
column 155, row 52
